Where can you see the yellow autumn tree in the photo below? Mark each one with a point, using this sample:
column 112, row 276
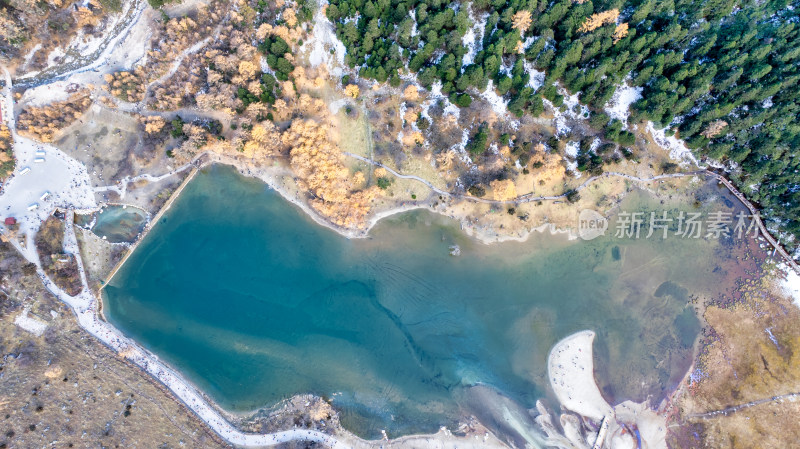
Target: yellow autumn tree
column 521, row 21
column 153, row 124
column 352, row 90
column 597, row 20
column 248, row 70
column 290, row 17
column 317, row 163
column 714, row 129
column 620, row 32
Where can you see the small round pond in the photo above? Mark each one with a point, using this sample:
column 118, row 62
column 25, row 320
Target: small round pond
column 120, row 224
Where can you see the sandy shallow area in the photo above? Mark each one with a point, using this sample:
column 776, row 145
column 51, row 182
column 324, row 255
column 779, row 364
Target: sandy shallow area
column 628, row 425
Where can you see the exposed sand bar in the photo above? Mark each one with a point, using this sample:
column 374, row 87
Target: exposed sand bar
column 571, row 371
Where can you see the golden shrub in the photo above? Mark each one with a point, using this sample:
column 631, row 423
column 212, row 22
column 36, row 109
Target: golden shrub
column 352, row 91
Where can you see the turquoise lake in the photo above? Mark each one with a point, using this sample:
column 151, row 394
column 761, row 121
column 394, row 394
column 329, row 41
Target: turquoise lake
column 254, row 303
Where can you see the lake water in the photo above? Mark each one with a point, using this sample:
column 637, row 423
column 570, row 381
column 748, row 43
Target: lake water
column 119, row 223
column 254, row 302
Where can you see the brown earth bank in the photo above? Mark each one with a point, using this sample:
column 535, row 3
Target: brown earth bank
column 744, row 387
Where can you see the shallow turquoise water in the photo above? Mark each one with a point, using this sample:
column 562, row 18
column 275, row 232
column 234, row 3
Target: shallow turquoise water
column 254, row 302
column 120, row 224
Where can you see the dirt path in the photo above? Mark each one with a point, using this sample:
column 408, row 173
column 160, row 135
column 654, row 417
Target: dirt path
column 733, row 409
column 526, row 198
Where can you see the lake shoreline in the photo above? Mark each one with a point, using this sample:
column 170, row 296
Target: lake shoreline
column 272, row 178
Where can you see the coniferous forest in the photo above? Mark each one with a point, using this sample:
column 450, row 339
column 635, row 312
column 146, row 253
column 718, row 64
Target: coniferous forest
column 724, row 75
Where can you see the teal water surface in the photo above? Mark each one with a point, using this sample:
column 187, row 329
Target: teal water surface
column 120, row 224
column 254, row 302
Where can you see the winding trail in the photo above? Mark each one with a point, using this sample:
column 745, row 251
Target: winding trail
column 526, row 198
column 122, row 186
column 733, row 409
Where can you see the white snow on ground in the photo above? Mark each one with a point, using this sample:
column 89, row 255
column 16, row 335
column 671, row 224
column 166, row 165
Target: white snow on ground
column 437, row 95
column 595, row 145
column 323, row 39
column 767, row 103
column 414, row 30
column 572, row 148
column 473, row 38
column 499, row 106
column 677, row 149
column 573, row 110
column 619, row 105
column 791, row 284
column 529, row 41
column 537, row 77
column 46, row 94
column 29, row 323
column 559, row 119
column 120, row 51
column 51, row 58
column 574, row 107
column 30, row 54
column 66, row 179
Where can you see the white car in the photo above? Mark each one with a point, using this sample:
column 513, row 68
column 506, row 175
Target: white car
column 39, row 160
column 33, row 206
column 44, row 196
column 25, row 170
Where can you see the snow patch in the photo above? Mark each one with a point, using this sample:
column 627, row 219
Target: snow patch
column 30, row 54
column 571, row 151
column 323, row 39
column 473, row 38
column 677, row 149
column 499, row 106
column 30, row 324
column 595, row 145
column 437, row 95
column 575, row 109
column 619, row 105
column 572, row 148
column 66, row 180
column 46, row 94
column 537, row 78
column 791, row 284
